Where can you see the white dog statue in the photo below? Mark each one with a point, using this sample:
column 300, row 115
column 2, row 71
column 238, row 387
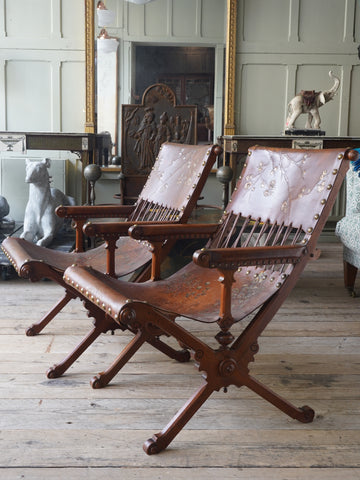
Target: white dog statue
column 41, row 222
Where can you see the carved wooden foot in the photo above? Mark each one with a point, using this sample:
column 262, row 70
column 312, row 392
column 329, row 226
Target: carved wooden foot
column 32, row 330
column 55, row 371
column 304, row 414
column 98, row 381
column 153, row 446
column 308, row 415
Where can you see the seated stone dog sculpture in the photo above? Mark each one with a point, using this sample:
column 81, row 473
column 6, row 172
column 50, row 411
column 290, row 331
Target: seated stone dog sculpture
column 40, row 222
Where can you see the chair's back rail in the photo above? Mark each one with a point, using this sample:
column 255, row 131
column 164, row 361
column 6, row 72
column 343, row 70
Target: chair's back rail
column 281, row 198
column 238, row 231
column 175, row 182
column 151, row 211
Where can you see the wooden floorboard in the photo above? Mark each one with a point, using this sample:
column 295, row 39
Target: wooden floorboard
column 62, row 429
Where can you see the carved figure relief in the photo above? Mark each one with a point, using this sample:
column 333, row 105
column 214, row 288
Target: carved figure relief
column 157, row 120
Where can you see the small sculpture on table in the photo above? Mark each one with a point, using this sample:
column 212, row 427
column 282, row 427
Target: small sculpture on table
column 41, row 223
column 309, row 101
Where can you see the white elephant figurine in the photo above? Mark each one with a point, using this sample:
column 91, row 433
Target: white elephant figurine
column 41, row 222
column 309, row 101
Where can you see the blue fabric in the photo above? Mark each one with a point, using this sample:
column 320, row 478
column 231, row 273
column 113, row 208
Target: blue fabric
column 356, row 164
column 348, row 228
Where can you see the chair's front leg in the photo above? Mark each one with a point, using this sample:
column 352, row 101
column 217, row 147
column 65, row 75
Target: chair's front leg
column 103, row 378
column 102, row 324
column 161, row 440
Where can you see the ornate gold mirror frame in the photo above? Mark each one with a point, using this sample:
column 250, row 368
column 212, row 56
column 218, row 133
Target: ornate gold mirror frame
column 229, row 117
column 90, row 125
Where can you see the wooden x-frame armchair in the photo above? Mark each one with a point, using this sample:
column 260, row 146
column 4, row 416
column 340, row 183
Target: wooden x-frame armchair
column 169, row 195
column 250, row 265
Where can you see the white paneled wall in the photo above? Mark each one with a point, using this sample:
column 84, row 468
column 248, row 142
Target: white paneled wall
column 285, row 46
column 42, row 86
column 42, row 60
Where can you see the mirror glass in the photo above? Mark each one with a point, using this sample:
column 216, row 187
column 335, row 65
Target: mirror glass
column 188, row 71
column 194, row 31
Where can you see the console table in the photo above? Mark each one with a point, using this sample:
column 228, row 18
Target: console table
column 90, row 147
column 236, row 146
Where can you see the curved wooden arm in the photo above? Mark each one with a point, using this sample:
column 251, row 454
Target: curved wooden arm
column 94, row 211
column 232, row 258
column 120, row 229
column 81, row 213
column 161, row 232
column 111, row 232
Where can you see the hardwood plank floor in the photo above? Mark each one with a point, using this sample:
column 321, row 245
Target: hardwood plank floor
column 62, row 429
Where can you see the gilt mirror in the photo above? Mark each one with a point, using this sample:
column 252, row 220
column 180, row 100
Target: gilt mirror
column 141, row 32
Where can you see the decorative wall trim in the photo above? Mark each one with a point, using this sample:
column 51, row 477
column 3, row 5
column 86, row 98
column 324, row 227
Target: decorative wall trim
column 229, row 126
column 90, row 126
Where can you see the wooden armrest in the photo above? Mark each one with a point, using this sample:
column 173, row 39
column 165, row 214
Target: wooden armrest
column 232, row 258
column 111, row 232
column 111, row 229
column 160, row 232
column 94, row 211
column 81, row 213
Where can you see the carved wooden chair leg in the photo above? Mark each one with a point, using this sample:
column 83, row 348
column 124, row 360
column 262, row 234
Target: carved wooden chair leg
column 303, row 414
column 350, row 273
column 60, row 368
column 36, row 328
column 102, row 324
column 103, row 378
column 161, row 440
